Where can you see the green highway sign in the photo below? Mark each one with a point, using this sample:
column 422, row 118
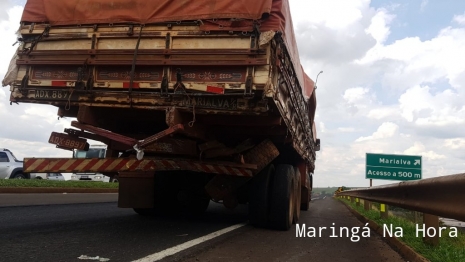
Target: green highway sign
column 393, row 167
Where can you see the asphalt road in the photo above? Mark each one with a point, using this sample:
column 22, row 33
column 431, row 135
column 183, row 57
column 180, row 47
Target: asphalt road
column 64, row 232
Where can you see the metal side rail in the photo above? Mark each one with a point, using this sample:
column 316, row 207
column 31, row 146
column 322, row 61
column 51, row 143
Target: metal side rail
column 107, row 165
column 442, row 196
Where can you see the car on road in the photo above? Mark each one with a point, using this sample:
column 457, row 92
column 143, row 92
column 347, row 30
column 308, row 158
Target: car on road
column 55, row 176
column 10, row 167
column 94, row 151
column 89, row 177
column 49, row 176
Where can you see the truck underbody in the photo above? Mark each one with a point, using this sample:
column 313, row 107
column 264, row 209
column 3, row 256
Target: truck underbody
column 188, row 115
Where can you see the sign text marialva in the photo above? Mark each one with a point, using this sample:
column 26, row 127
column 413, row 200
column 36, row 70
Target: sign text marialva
column 393, row 167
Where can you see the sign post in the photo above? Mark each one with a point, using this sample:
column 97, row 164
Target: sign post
column 393, row 167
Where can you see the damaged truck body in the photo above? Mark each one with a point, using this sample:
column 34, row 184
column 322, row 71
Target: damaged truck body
column 196, row 101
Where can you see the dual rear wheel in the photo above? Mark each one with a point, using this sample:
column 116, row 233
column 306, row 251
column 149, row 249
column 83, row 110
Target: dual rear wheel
column 274, row 199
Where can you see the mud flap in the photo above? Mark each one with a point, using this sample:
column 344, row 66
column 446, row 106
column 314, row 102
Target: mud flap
column 136, row 190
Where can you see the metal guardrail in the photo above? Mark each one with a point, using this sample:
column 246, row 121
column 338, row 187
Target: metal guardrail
column 442, row 196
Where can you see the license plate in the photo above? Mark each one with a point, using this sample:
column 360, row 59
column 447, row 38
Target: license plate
column 50, row 94
column 84, row 177
column 67, row 141
column 225, row 103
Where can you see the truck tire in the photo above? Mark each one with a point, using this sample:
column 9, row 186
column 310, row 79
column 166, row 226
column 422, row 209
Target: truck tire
column 282, row 198
column 259, row 197
column 297, row 195
column 19, row 175
column 306, row 195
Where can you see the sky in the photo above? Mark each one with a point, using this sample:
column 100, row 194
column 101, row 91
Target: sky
column 393, row 82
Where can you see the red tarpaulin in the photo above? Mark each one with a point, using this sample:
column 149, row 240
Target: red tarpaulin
column 140, row 11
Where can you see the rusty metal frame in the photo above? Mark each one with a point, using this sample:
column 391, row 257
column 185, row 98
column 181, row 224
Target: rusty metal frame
column 105, row 133
column 86, row 135
column 154, row 138
column 289, row 100
column 143, row 100
column 128, row 140
column 251, row 51
column 164, row 61
column 88, row 56
column 442, row 196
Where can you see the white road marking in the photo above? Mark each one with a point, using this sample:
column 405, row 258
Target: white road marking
column 85, row 257
column 176, row 249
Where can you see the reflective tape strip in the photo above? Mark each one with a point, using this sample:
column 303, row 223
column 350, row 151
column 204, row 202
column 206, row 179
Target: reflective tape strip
column 66, row 165
column 60, row 163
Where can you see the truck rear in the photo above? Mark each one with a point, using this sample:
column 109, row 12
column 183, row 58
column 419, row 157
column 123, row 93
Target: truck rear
column 196, row 101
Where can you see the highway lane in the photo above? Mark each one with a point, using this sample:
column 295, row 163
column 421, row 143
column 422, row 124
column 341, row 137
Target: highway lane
column 65, row 232
column 255, row 244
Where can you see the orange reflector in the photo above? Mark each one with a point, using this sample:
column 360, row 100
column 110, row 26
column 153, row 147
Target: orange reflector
column 134, row 85
column 59, row 83
column 214, row 89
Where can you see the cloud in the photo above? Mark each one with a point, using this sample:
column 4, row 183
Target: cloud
column 386, row 130
column 459, row 19
column 419, row 149
column 346, row 129
column 335, row 15
column 5, row 5
column 379, row 27
column 423, row 5
column 443, row 109
column 386, row 112
column 410, row 61
column 356, row 94
column 456, row 143
column 8, row 28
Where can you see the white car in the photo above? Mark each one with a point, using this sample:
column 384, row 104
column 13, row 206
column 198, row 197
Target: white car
column 49, row 176
column 55, row 176
column 88, row 177
column 10, row 167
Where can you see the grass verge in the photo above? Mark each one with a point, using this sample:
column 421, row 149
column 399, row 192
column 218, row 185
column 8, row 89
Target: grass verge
column 14, row 183
column 448, row 250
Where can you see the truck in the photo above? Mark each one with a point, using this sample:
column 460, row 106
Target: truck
column 197, row 101
column 94, row 151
